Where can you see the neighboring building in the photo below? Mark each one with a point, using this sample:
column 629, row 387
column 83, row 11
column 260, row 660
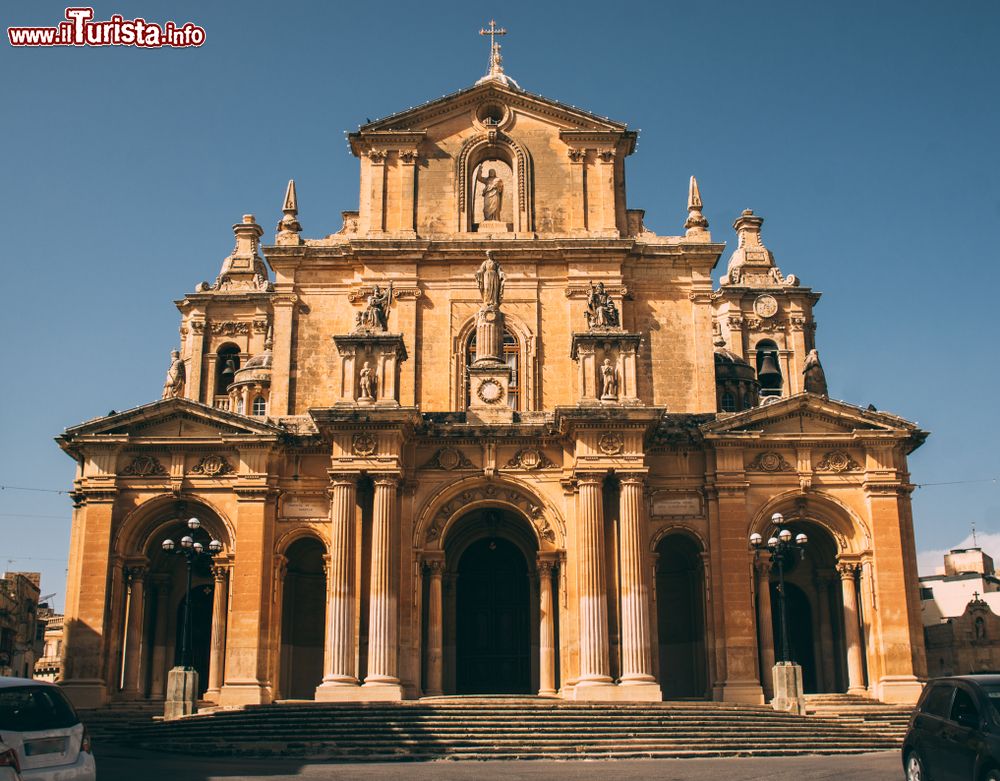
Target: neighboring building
column 960, row 607
column 20, row 643
column 493, row 435
column 49, row 666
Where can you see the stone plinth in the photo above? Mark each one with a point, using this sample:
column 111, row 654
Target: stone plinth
column 379, row 353
column 788, row 694
column 590, row 349
column 492, row 226
column 182, row 693
column 609, row 692
column 489, row 383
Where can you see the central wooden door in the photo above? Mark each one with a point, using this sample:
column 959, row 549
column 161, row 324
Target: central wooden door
column 493, row 620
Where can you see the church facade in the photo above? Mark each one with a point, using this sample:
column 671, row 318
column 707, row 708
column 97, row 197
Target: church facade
column 493, row 436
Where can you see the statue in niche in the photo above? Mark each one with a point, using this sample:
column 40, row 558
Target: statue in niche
column 815, row 378
column 491, row 279
column 375, row 316
column 492, row 195
column 601, row 310
column 609, row 380
column 173, row 386
column 366, row 381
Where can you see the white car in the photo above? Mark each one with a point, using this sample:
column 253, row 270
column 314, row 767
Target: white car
column 39, row 724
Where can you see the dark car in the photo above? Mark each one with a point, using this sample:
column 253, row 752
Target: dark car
column 954, row 733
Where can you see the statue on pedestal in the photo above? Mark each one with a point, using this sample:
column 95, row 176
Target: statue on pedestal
column 609, row 380
column 601, row 310
column 492, row 195
column 173, row 386
column 490, row 279
column 366, row 382
column 375, row 316
column 815, row 378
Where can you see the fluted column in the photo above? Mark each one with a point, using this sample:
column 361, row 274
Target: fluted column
column 595, row 667
column 382, row 614
column 158, row 688
column 637, row 658
column 765, row 624
column 278, row 600
column 546, row 631
column 133, row 635
column 852, row 634
column 435, row 629
column 341, row 667
column 220, row 609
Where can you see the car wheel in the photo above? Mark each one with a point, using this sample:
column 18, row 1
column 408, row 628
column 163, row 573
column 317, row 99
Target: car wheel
column 993, row 775
column 915, row 767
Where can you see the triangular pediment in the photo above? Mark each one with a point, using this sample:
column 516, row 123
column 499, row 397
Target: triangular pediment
column 810, row 414
column 425, row 116
column 172, row 419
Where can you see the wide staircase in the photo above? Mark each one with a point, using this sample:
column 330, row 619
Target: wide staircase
column 510, row 728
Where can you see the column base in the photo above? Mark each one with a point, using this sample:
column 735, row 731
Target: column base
column 902, row 689
column 85, row 693
column 182, row 693
column 788, row 693
column 609, row 692
column 212, row 695
column 858, row 691
column 370, row 692
column 742, row 692
column 244, row 693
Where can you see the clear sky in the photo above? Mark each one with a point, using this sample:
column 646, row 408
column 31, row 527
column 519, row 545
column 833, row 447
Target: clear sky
column 865, row 133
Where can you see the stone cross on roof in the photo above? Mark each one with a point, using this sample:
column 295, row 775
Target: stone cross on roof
column 495, row 58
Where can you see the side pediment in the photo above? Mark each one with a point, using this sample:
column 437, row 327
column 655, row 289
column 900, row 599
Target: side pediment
column 171, row 419
column 807, row 414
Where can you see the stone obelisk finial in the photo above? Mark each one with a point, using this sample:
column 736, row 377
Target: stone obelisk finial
column 289, row 223
column 696, row 224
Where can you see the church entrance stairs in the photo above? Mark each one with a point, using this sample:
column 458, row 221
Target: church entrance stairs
column 508, row 728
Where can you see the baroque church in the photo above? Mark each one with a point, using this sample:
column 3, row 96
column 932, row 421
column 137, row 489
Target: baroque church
column 492, row 435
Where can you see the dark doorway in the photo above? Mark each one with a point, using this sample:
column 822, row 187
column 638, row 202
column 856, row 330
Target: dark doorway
column 680, row 617
column 201, row 632
column 493, row 620
column 800, row 633
column 303, row 620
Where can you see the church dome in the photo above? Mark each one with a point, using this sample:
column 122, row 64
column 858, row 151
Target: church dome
column 735, row 381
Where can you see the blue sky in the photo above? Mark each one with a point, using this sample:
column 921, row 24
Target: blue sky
column 865, row 133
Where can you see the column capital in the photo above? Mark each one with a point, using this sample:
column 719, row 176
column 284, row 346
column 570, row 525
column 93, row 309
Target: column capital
column 847, row 569
column 631, row 478
column 137, row 570
column 545, row 567
column 434, row 567
column 387, row 479
column 342, row 479
column 763, row 564
column 589, row 478
column 219, row 572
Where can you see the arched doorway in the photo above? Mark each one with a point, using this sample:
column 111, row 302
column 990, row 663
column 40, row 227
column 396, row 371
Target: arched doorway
column 814, row 606
column 200, row 628
column 490, row 556
column 680, row 588
column 303, row 619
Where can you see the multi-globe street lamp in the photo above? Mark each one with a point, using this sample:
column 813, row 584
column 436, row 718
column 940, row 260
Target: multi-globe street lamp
column 183, row 679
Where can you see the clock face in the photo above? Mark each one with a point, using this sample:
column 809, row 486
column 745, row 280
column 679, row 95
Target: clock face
column 490, row 391
column 765, row 306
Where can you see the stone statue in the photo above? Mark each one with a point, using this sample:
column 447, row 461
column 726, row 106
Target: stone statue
column 375, row 316
column 492, row 195
column 367, row 382
column 173, row 386
column 601, row 310
column 815, row 379
column 609, row 380
column 490, row 278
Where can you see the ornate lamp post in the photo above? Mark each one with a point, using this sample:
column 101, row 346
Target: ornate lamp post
column 182, row 681
column 783, row 547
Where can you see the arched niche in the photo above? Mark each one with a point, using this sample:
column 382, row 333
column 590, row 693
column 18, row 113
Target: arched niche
column 146, row 526
column 847, row 528
column 508, row 155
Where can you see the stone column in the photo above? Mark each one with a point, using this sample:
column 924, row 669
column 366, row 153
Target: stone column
column 637, row 658
column 382, row 615
column 489, row 335
column 220, row 609
column 852, row 634
column 826, row 646
column 280, row 571
column 546, row 631
column 595, row 666
column 133, row 636
column 158, row 690
column 435, row 629
column 341, row 666
column 765, row 624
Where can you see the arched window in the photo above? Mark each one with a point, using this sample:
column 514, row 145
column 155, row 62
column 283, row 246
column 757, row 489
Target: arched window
column 239, row 405
column 227, row 363
column 511, row 356
column 728, row 402
column 259, row 407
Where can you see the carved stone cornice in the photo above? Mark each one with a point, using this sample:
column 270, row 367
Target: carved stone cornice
column 255, row 493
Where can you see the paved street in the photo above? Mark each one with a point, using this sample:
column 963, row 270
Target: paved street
column 123, row 765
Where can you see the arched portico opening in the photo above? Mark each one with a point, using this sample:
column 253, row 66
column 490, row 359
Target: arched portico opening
column 680, row 611
column 303, row 620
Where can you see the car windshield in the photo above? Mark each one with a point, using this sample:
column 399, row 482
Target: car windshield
column 992, row 692
column 32, row 708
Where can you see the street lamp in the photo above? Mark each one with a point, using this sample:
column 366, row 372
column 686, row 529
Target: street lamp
column 182, row 686
column 783, row 547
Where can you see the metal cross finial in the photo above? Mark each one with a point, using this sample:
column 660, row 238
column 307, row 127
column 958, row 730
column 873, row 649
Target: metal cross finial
column 975, row 595
column 495, row 59
column 975, row 544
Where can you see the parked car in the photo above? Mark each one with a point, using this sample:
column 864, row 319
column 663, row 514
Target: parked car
column 954, row 733
column 40, row 726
